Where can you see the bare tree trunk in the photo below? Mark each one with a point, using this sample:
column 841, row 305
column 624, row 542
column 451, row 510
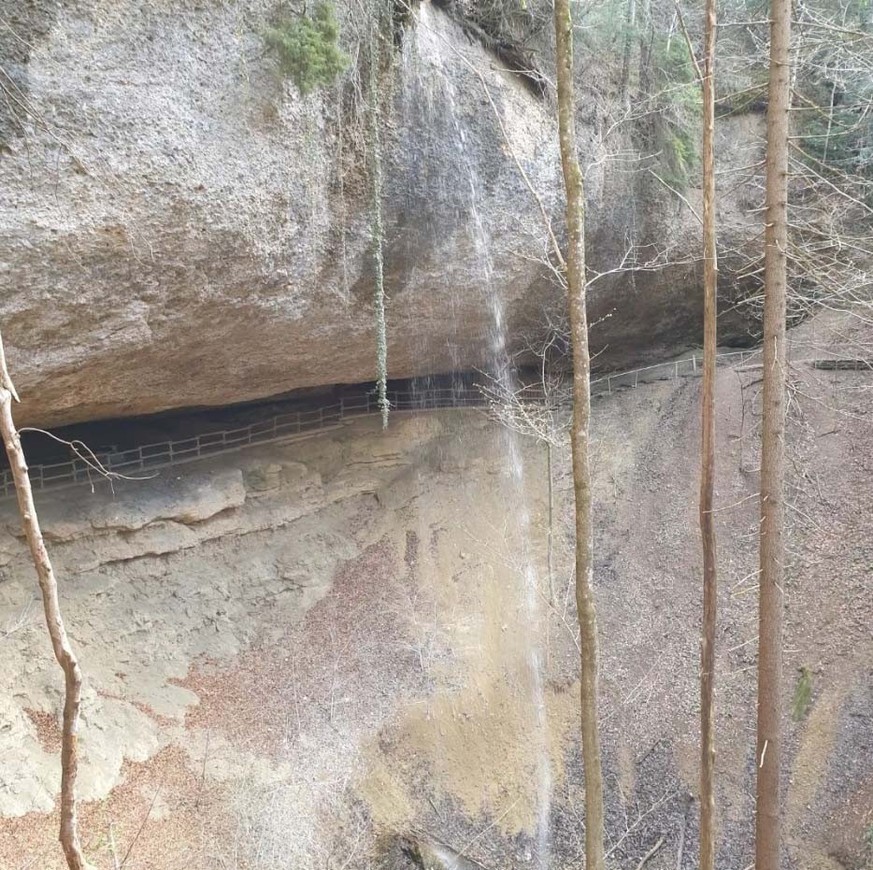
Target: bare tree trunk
column 551, row 524
column 630, row 25
column 579, row 436
column 767, row 834
column 707, row 455
column 377, row 231
column 69, row 834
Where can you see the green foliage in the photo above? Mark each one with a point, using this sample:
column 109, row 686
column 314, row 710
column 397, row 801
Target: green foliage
column 802, row 695
column 673, row 62
column 602, row 31
column 679, row 103
column 641, row 50
column 840, row 139
column 307, row 49
column 677, row 152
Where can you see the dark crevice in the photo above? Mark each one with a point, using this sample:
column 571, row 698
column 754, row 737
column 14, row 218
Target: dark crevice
column 115, row 436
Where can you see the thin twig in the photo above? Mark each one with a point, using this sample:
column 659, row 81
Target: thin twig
column 681, row 850
column 142, row 826
column 82, row 451
column 203, row 770
column 650, row 854
column 112, row 851
column 687, row 35
column 639, row 820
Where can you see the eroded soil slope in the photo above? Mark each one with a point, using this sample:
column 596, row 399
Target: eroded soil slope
column 298, row 655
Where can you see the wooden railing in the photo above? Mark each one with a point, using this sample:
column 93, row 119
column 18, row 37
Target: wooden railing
column 139, row 461
column 687, row 367
column 290, row 426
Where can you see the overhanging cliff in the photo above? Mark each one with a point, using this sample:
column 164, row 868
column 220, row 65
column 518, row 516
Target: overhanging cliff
column 178, row 227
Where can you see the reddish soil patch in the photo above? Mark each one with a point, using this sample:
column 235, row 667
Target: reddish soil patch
column 143, row 708
column 162, row 817
column 256, row 701
column 48, row 731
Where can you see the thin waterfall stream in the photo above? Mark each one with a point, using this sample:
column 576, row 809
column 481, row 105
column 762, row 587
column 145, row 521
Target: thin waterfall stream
column 518, row 521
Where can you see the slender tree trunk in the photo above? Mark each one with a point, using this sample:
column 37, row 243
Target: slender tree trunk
column 707, row 455
column 376, row 228
column 69, row 834
column 575, row 270
column 645, row 34
column 767, row 834
column 630, row 25
column 551, row 524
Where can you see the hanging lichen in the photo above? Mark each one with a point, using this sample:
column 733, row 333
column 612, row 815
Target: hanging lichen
column 377, row 232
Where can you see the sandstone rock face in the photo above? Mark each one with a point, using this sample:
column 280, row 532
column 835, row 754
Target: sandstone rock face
column 175, row 229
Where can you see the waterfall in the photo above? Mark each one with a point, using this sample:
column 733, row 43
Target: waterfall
column 440, row 87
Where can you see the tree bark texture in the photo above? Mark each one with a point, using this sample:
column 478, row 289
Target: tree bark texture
column 575, row 273
column 772, row 548
column 707, row 454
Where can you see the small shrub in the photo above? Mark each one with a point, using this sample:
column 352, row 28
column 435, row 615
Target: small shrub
column 307, row 49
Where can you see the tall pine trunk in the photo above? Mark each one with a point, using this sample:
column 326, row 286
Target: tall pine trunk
column 575, row 274
column 707, row 454
column 767, row 833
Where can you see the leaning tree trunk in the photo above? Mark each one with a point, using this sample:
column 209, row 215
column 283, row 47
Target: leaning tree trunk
column 69, row 833
column 707, row 455
column 767, row 836
column 575, row 271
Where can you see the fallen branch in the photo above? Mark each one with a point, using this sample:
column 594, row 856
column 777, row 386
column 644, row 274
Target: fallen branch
column 680, row 851
column 650, row 854
column 849, row 365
